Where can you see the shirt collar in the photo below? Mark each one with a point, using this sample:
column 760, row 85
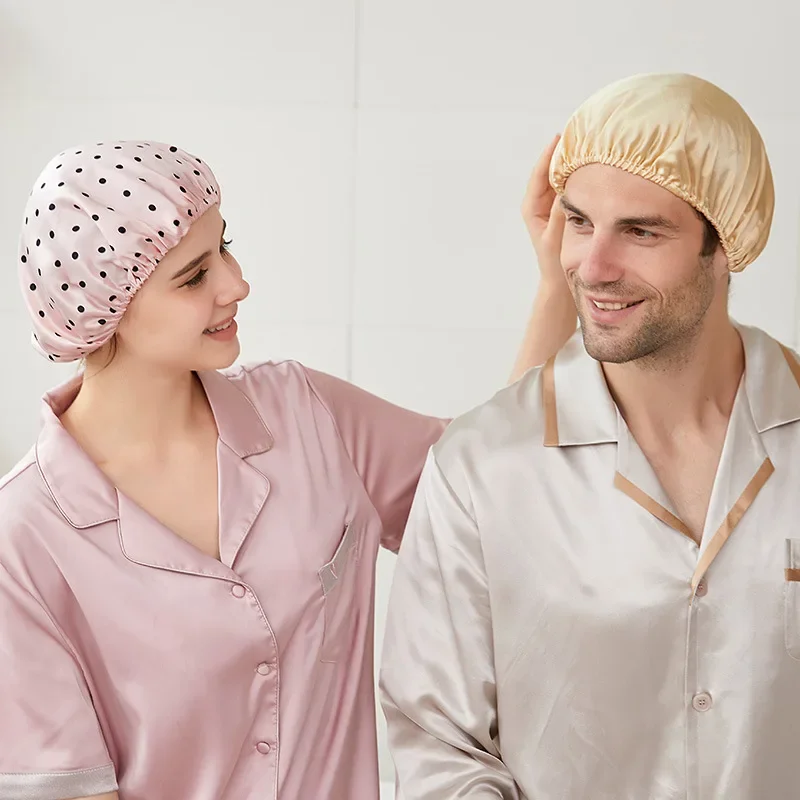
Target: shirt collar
column 239, row 423
column 82, row 492
column 579, row 409
column 772, row 380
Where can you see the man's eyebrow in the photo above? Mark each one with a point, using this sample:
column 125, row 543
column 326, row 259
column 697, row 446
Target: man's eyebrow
column 567, row 206
column 645, row 221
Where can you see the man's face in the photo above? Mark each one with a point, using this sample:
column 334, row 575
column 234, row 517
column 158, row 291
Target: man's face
column 631, row 255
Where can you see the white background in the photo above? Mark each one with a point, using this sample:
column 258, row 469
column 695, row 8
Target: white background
column 373, row 154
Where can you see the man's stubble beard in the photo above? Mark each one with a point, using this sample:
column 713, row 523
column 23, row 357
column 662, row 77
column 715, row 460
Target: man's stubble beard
column 665, row 337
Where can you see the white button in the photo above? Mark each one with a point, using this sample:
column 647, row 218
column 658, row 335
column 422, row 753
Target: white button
column 701, row 701
column 702, row 589
column 238, row 591
column 263, row 748
column 263, row 668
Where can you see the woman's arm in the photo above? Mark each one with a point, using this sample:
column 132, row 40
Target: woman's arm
column 51, row 743
column 553, row 318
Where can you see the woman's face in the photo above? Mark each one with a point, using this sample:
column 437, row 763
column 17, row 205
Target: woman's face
column 183, row 316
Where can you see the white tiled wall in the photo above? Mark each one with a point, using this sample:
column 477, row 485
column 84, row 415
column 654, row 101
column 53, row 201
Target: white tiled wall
column 373, row 154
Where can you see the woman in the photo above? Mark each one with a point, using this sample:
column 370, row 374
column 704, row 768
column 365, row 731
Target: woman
column 187, row 557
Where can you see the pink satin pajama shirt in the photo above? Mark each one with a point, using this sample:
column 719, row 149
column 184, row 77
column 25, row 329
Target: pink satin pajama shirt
column 130, row 660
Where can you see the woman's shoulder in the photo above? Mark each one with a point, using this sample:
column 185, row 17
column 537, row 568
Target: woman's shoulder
column 20, row 482
column 256, row 372
column 273, row 384
column 25, row 501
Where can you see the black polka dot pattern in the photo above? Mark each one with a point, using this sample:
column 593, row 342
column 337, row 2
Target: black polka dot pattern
column 114, row 210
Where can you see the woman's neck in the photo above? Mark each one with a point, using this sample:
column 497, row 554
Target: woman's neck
column 137, row 410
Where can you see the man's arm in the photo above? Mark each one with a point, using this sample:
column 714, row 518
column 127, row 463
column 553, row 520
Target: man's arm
column 437, row 677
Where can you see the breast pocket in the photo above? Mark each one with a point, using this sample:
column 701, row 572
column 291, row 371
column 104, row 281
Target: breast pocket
column 791, row 598
column 339, row 587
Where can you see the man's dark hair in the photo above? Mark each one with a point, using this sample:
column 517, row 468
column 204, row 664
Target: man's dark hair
column 710, row 237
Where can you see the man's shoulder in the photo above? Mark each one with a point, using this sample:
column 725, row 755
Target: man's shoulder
column 512, row 417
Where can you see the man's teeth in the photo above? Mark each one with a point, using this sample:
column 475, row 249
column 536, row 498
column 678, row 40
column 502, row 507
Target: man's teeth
column 220, row 327
column 613, row 306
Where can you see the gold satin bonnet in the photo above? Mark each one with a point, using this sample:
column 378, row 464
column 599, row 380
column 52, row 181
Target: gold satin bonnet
column 687, row 135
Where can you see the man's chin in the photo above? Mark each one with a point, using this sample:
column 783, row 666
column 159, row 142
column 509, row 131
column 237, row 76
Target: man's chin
column 606, row 346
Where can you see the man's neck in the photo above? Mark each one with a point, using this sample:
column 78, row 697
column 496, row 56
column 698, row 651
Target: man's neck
column 688, row 387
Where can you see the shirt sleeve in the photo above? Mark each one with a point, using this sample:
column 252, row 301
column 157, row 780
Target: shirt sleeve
column 387, row 445
column 51, row 746
column 437, row 679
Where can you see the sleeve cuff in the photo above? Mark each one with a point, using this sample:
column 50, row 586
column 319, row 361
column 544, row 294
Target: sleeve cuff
column 57, row 785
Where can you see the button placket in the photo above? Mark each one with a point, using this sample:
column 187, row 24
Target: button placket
column 266, row 671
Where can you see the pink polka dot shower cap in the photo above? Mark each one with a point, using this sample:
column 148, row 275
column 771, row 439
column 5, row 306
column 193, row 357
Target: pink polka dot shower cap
column 97, row 222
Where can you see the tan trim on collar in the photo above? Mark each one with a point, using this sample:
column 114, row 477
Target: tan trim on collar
column 648, row 504
column 549, row 402
column 730, row 522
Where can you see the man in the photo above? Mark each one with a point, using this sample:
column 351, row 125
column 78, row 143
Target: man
column 597, row 596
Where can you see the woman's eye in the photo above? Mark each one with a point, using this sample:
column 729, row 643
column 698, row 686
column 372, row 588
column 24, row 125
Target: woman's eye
column 197, row 279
